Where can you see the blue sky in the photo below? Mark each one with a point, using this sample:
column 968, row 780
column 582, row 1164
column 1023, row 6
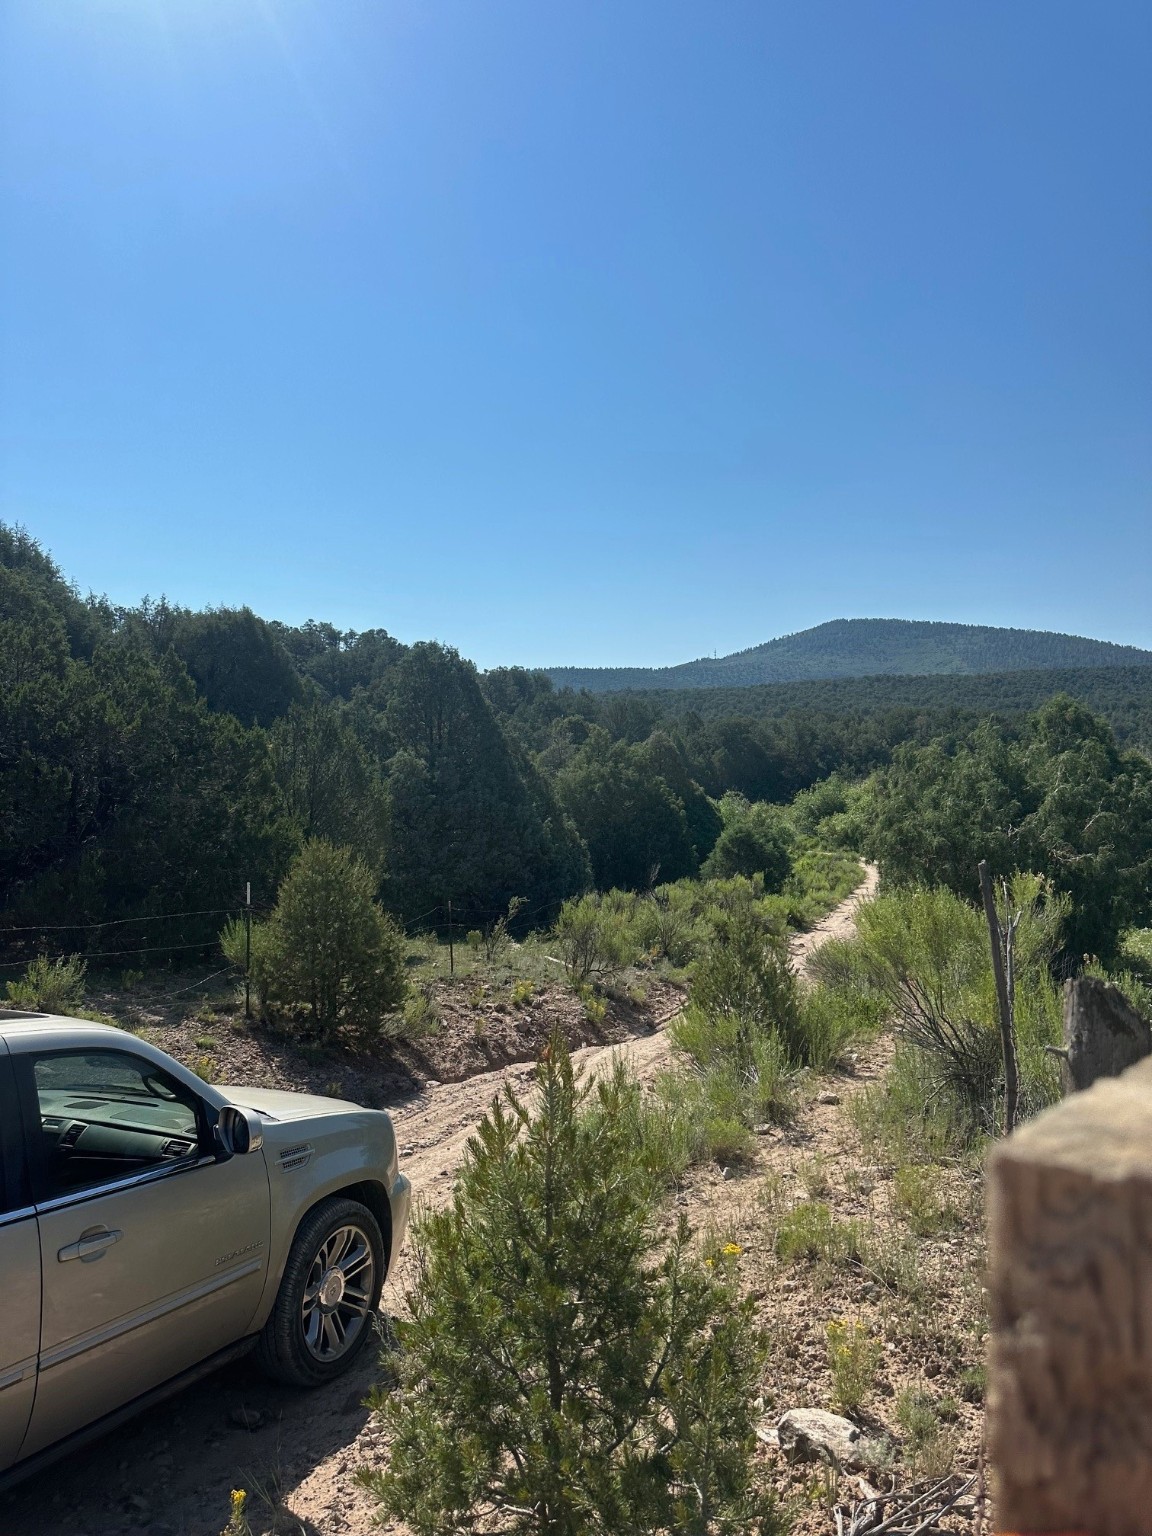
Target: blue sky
column 588, row 332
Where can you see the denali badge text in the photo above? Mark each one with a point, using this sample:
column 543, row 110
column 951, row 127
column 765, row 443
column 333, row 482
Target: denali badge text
column 238, row 1253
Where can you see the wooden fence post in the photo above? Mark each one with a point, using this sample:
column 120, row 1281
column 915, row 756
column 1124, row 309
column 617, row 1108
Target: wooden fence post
column 1070, row 1285
column 1003, row 1000
column 1103, row 1033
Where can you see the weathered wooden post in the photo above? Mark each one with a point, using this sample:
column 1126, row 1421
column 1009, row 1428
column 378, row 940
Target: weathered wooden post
column 1103, row 1033
column 1003, row 998
column 1070, row 1282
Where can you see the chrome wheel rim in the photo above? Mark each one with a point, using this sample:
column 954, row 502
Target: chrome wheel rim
column 339, row 1293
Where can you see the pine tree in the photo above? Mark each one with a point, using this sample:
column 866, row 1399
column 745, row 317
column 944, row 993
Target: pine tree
column 564, row 1370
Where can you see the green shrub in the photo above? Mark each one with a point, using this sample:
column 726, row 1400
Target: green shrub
column 522, row 992
column 1134, row 982
column 810, row 1231
column 728, row 1085
column 890, row 1257
column 744, row 978
column 925, row 954
column 595, row 1008
column 262, row 953
column 973, row 1383
column 631, row 1410
column 841, row 965
column 662, row 1137
column 919, row 1196
column 929, row 1448
column 328, row 954
column 828, row 1021
column 832, row 813
column 50, row 986
column 853, row 1358
column 813, row 1175
column 916, row 1415
column 737, row 1036
column 421, row 1015
column 593, row 938
column 666, row 925
column 821, row 878
column 1135, row 952
column 906, row 1118
column 495, row 940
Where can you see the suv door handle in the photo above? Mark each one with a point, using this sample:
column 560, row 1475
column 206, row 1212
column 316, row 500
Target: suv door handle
column 90, row 1245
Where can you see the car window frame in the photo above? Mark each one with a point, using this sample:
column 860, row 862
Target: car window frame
column 39, row 1181
column 15, row 1189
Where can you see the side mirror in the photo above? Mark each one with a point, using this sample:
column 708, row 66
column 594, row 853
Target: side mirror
column 239, row 1130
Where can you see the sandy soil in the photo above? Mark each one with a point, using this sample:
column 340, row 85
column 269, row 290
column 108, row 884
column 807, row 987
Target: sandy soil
column 171, row 1472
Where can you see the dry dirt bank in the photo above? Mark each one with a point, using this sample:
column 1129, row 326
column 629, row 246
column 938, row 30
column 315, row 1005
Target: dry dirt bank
column 170, row 1473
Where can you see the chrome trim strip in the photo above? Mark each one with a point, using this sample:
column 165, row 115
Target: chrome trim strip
column 18, row 1372
column 21, row 1215
column 97, row 1336
column 130, row 1181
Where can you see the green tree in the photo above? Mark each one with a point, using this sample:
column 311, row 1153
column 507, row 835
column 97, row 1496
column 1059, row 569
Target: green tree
column 470, row 820
column 121, row 795
column 1055, row 796
column 941, row 808
column 755, row 841
column 341, row 662
column 328, row 948
column 331, row 786
column 633, row 823
column 238, row 664
column 666, row 758
column 1091, row 829
column 36, row 573
column 33, row 636
column 564, row 1369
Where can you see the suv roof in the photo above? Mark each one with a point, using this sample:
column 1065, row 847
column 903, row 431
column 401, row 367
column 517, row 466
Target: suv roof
column 20, row 1022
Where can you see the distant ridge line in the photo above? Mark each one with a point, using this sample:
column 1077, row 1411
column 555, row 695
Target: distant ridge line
column 868, row 648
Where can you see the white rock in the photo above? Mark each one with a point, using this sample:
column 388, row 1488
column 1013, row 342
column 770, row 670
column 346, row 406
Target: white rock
column 811, row 1434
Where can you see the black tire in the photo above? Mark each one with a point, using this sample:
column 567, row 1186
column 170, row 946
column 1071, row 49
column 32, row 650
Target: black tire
column 324, row 1309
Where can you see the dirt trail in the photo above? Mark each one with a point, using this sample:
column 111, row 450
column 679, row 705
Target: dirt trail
column 434, row 1128
column 170, row 1472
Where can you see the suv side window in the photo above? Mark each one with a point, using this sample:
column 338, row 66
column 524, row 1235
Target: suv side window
column 105, row 1115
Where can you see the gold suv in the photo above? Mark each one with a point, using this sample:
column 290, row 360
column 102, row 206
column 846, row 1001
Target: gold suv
column 153, row 1226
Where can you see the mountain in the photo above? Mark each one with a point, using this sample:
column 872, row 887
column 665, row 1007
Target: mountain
column 867, row 648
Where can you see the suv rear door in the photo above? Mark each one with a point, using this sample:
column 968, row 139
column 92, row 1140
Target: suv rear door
column 19, row 1276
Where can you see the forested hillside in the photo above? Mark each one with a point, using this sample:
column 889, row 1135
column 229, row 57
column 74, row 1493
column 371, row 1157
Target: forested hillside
column 866, row 648
column 1123, row 695
column 153, row 760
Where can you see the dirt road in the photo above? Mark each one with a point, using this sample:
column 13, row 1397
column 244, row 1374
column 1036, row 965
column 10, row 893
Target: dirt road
column 434, row 1128
column 170, row 1473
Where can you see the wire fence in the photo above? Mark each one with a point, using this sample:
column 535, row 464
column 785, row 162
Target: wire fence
column 455, row 917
